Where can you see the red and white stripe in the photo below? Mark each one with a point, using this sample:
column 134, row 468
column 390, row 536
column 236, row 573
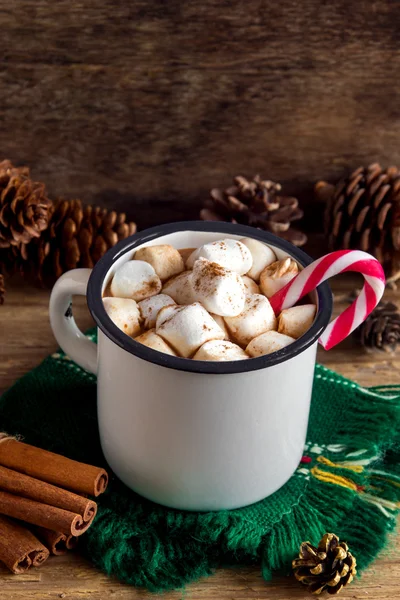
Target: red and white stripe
column 328, row 266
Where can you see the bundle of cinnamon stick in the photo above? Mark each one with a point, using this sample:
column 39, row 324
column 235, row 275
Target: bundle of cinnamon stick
column 44, row 503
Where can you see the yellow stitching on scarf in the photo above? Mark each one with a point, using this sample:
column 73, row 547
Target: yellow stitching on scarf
column 335, row 479
column 326, row 461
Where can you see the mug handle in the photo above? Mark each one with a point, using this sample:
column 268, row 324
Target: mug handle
column 70, row 338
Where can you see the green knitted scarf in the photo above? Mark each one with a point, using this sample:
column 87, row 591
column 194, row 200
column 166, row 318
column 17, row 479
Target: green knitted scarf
column 348, row 483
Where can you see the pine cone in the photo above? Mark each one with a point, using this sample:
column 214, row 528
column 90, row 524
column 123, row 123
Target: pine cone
column 381, row 329
column 24, row 206
column 256, row 203
column 77, row 236
column 329, row 567
column 363, row 212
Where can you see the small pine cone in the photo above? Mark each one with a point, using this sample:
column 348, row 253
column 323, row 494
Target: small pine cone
column 363, row 212
column 8, row 170
column 24, row 206
column 381, row 329
column 329, row 567
column 77, row 236
column 2, row 289
column 257, row 203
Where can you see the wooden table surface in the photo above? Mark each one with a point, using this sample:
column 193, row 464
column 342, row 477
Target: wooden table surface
column 26, row 338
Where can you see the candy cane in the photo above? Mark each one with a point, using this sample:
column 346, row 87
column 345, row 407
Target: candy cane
column 321, row 270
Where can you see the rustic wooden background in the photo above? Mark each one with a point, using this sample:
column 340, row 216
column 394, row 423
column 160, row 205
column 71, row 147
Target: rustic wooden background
column 143, row 104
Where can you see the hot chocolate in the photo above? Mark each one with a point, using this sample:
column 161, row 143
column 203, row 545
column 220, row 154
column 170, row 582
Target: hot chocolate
column 207, row 303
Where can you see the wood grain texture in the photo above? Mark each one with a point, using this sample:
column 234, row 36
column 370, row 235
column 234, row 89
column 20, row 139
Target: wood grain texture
column 26, row 338
column 138, row 103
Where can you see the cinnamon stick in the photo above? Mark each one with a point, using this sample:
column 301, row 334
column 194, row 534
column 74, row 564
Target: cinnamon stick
column 46, row 493
column 56, row 542
column 43, row 515
column 19, row 548
column 52, row 468
column 72, row 542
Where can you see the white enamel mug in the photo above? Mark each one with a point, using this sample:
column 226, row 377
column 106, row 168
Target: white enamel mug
column 188, row 434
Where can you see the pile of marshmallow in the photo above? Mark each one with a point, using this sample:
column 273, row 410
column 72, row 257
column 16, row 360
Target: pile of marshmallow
column 209, row 303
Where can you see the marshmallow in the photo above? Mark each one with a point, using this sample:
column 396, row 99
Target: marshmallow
column 135, row 279
column 220, row 351
column 187, row 328
column 124, row 312
column 268, row 342
column 262, row 256
column 180, row 288
column 231, row 254
column 220, row 321
column 152, row 340
column 150, row 307
column 296, row 320
column 165, row 313
column 256, row 318
column 165, row 260
column 220, row 290
column 250, row 286
column 277, row 275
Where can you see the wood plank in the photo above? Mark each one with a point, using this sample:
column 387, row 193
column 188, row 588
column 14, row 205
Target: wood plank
column 72, row 577
column 140, row 103
column 26, row 338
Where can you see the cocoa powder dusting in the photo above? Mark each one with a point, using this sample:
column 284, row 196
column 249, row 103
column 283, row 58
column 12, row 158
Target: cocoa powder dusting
column 213, row 269
column 151, row 288
column 206, row 279
column 154, row 285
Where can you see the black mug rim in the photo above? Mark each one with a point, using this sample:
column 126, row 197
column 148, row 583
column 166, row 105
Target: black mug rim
column 103, row 321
